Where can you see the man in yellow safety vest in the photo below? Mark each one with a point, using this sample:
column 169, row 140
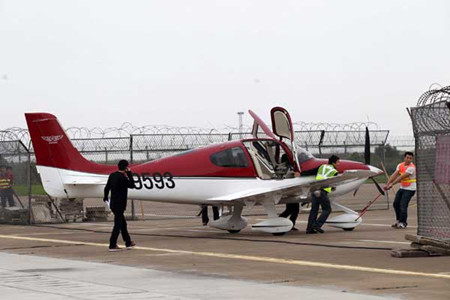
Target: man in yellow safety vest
column 6, row 183
column 406, row 175
column 320, row 197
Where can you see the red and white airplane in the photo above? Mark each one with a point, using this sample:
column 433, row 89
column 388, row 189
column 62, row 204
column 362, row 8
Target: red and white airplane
column 238, row 173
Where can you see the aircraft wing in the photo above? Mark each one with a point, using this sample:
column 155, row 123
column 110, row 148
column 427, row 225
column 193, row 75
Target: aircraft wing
column 347, row 176
column 299, row 189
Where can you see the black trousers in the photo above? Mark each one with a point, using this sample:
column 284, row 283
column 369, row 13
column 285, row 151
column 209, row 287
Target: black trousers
column 292, row 210
column 324, row 202
column 7, row 195
column 120, row 226
column 205, row 218
column 401, row 202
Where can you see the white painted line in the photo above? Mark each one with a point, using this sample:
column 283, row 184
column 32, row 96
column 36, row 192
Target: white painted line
column 385, row 242
column 47, row 233
column 165, row 254
column 383, row 225
column 303, row 263
column 199, row 230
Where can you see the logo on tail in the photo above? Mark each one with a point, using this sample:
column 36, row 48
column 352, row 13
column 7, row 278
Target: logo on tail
column 52, row 139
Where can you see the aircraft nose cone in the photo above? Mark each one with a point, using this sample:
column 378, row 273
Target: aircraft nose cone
column 375, row 170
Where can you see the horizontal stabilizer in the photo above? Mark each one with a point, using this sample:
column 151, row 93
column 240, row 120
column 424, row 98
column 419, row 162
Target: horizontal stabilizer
column 73, row 177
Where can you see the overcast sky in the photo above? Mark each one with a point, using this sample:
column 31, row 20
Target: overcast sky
column 197, row 63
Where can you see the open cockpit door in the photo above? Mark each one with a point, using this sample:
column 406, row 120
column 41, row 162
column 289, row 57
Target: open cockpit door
column 261, row 130
column 281, row 123
column 259, row 125
column 282, row 127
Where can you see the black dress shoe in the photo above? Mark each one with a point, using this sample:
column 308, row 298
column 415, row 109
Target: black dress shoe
column 320, row 230
column 294, row 229
column 312, row 231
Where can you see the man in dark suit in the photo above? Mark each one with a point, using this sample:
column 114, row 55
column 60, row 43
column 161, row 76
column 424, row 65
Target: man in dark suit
column 118, row 183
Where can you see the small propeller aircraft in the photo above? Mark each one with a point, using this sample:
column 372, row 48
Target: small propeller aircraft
column 255, row 171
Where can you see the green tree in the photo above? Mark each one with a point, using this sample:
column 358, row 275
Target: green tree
column 392, row 157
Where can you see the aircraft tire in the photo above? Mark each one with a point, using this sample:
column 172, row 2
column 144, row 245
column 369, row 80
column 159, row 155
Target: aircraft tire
column 348, row 229
column 234, row 231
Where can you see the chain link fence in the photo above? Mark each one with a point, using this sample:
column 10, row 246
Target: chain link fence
column 16, row 196
column 431, row 124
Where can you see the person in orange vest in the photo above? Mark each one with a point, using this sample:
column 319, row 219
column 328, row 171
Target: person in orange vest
column 406, row 175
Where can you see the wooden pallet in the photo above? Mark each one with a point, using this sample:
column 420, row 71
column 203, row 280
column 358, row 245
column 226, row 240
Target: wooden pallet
column 422, row 247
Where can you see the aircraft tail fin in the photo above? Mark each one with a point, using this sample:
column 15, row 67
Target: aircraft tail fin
column 53, row 148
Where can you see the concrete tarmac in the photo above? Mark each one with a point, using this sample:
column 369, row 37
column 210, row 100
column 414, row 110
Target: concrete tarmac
column 31, row 277
column 174, row 254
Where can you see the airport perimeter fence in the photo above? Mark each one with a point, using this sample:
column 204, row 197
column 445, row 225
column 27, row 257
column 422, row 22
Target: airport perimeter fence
column 138, row 148
column 431, row 124
column 16, row 200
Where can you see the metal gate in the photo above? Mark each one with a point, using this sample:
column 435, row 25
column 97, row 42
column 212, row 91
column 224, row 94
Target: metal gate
column 431, row 124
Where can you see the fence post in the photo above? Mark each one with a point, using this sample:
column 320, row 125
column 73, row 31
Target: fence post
column 131, row 148
column 29, row 186
column 322, row 135
column 133, row 212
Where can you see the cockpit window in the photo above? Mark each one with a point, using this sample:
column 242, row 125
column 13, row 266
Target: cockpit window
column 303, row 155
column 230, row 158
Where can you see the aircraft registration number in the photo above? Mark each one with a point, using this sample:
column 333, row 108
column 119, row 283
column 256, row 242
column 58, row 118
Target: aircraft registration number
column 155, row 180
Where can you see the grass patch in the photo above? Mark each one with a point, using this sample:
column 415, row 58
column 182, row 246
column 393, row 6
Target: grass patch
column 22, row 189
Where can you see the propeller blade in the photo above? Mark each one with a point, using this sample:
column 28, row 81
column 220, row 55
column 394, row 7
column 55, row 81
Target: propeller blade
column 367, row 147
column 378, row 186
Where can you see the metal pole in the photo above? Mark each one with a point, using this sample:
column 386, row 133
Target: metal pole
column 133, row 212
column 131, row 149
column 29, row 187
column 240, row 114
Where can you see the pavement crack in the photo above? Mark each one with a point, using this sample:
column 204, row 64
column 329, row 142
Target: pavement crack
column 395, row 287
column 38, row 246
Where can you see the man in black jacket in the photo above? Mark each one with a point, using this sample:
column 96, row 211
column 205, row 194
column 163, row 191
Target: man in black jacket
column 118, row 183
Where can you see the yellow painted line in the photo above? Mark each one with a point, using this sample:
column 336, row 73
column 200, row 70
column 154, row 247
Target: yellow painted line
column 247, row 258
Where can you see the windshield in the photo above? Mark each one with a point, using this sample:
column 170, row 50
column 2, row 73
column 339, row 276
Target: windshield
column 303, row 155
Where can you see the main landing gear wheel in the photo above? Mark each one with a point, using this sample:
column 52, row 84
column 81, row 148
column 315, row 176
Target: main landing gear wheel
column 279, row 233
column 234, row 231
column 348, row 229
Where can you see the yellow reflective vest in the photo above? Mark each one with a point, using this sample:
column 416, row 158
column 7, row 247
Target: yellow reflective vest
column 5, row 182
column 324, row 172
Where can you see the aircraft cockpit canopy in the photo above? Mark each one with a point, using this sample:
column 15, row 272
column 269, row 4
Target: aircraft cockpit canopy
column 303, row 155
column 269, row 159
column 230, row 158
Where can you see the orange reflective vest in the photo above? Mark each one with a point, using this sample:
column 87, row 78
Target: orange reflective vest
column 402, row 169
